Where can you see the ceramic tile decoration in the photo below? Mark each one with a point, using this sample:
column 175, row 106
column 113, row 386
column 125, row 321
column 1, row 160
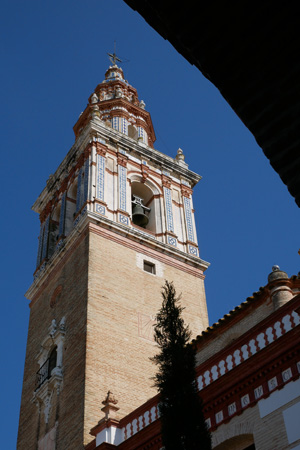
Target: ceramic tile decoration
column 232, row 408
column 86, row 180
column 272, row 383
column 124, row 126
column 193, row 250
column 122, row 187
column 172, row 241
column 169, row 211
column 258, row 392
column 100, row 177
column 100, row 209
column 188, row 218
column 123, row 219
column 245, row 400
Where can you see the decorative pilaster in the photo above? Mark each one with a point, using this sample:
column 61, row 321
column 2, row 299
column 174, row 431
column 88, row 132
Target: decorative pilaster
column 86, row 180
column 188, row 219
column 188, row 214
column 166, row 182
column 100, row 177
column 122, row 176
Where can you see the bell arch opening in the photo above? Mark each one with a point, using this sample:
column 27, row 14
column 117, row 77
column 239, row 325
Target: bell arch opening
column 70, row 207
column 53, row 230
column 144, row 206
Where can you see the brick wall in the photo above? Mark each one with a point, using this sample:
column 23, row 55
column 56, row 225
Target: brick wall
column 71, row 303
column 122, row 302
column 109, row 303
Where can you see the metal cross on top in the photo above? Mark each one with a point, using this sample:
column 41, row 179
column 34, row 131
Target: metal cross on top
column 113, row 57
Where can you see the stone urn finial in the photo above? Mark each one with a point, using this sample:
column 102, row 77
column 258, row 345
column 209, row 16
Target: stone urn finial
column 280, row 288
column 180, row 156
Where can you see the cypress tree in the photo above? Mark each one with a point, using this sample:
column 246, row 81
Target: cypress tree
column 182, row 421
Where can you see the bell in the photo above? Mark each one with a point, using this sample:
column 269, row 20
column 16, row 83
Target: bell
column 139, row 217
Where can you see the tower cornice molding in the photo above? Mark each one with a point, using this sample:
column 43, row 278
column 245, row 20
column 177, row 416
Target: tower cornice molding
column 146, row 152
column 135, row 239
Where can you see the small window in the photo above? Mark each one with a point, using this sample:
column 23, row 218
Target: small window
column 44, row 372
column 149, row 267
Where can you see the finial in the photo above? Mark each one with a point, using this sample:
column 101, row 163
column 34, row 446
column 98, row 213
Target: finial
column 109, row 403
column 113, row 57
column 110, row 398
column 94, row 98
column 275, row 268
column 180, row 156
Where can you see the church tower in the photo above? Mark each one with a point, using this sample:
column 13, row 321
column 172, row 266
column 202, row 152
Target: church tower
column 117, row 220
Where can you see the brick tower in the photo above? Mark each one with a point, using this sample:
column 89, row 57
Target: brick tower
column 117, row 220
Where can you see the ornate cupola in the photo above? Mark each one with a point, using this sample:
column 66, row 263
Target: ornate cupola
column 116, row 103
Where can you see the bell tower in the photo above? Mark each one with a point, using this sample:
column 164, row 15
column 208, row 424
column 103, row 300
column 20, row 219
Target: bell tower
column 117, row 219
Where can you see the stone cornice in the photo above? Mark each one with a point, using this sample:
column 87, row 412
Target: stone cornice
column 130, row 237
column 146, row 152
column 148, row 241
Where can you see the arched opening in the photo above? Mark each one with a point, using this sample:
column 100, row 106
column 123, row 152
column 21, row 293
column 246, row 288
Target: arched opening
column 143, row 206
column 70, row 207
column 44, row 372
column 53, row 230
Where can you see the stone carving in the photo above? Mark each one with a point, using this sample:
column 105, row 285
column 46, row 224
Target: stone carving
column 52, row 328
column 110, row 407
column 110, row 398
column 94, row 98
column 62, row 324
column 180, row 156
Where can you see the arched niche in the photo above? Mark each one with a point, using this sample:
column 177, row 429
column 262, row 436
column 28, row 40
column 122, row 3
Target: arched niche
column 53, row 230
column 70, row 207
column 148, row 192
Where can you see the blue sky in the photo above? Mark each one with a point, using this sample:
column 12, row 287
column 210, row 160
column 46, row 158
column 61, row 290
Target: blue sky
column 53, row 55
